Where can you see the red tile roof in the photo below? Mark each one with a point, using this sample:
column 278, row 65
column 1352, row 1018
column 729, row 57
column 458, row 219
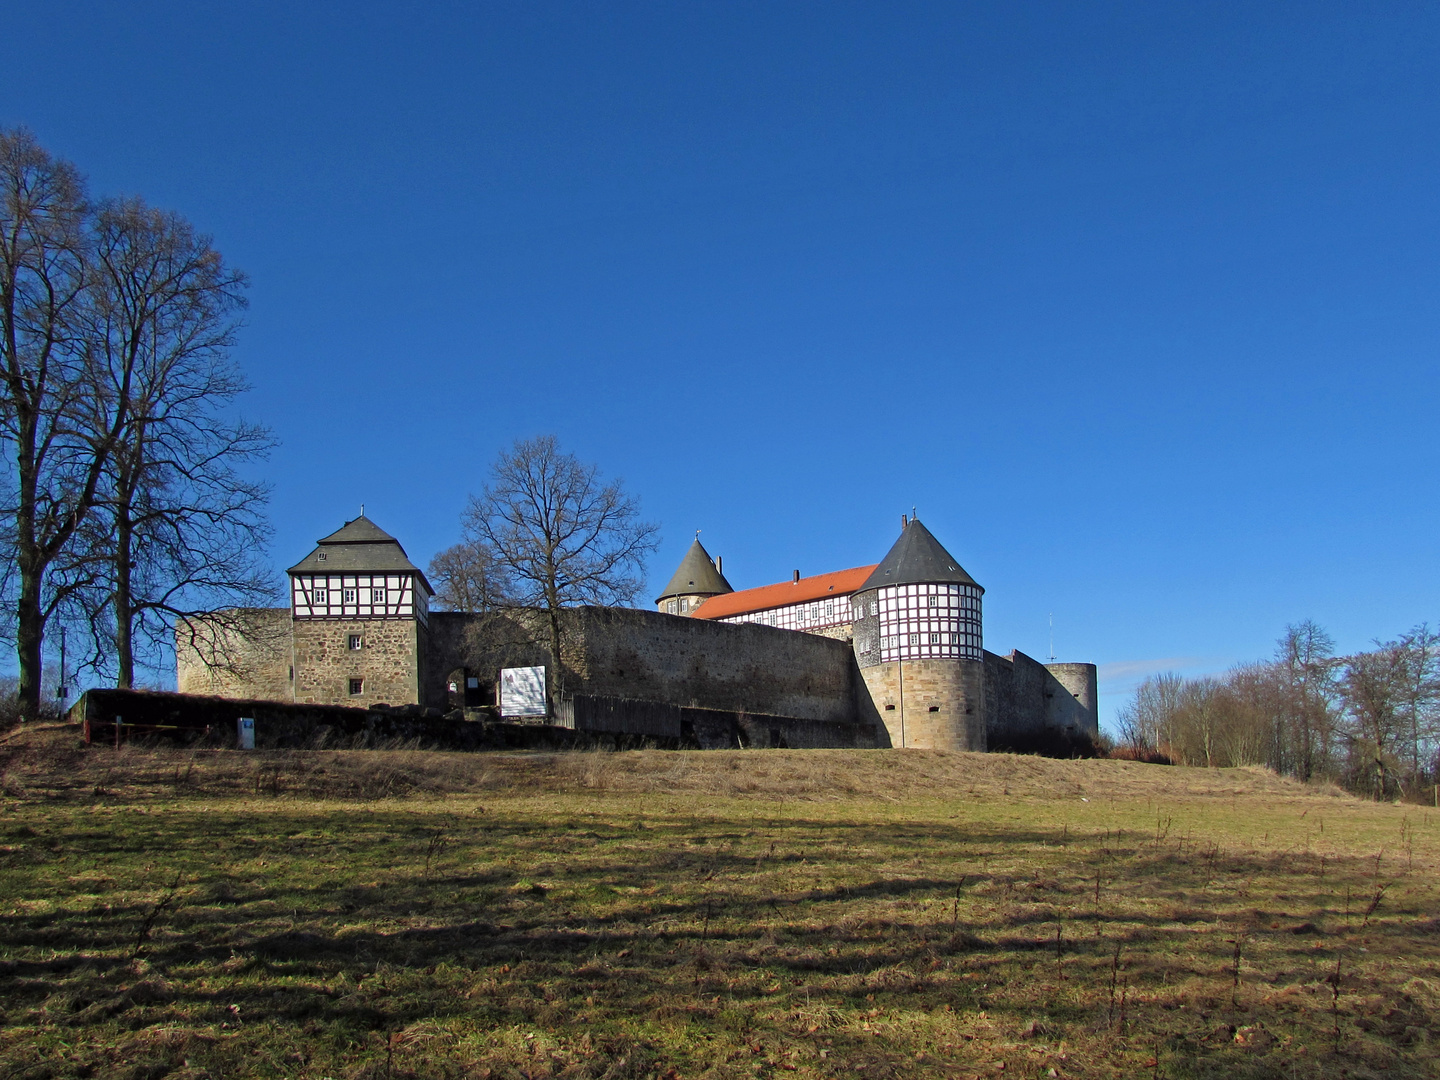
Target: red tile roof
column 839, row 583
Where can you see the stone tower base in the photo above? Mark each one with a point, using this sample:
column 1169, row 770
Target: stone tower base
column 930, row 704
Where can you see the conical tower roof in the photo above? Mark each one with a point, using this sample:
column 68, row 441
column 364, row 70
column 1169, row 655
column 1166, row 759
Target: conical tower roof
column 359, row 546
column 918, row 557
column 696, row 576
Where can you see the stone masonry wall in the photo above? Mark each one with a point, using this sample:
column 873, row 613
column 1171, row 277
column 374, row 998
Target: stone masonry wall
column 643, row 655
column 624, row 652
column 942, row 706
column 1017, row 686
column 1077, row 703
column 1034, row 707
column 445, row 651
column 243, row 653
column 389, row 661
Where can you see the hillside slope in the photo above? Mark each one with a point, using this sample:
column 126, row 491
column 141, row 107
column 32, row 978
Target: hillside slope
column 51, row 760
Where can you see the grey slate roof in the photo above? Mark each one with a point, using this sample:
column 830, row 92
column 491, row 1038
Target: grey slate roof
column 916, row 558
column 360, row 546
column 696, row 576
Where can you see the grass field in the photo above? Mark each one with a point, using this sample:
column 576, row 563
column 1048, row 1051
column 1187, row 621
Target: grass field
column 721, row 914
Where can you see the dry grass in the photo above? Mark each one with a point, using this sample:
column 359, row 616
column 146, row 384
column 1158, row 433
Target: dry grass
column 49, row 761
column 703, row 914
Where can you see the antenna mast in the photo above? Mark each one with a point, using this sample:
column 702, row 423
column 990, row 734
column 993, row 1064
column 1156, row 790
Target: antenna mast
column 1052, row 637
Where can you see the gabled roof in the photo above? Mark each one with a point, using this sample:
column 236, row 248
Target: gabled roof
column 696, row 576
column 917, row 557
column 820, row 587
column 359, row 546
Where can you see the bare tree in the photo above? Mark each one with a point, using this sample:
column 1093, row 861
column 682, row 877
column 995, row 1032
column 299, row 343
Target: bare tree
column 1254, row 694
column 123, row 505
column 562, row 534
column 185, row 530
column 1374, row 685
column 468, row 577
column 1147, row 721
column 63, row 404
column 1420, row 699
column 1302, row 735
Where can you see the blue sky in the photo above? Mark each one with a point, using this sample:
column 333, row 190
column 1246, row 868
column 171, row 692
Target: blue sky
column 1136, row 303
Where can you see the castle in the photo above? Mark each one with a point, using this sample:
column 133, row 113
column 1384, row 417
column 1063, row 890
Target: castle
column 889, row 654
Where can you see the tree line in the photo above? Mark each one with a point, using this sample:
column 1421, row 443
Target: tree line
column 1369, row 721
column 125, row 499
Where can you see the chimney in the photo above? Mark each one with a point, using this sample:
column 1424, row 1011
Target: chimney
column 718, row 561
column 904, row 521
column 797, row 576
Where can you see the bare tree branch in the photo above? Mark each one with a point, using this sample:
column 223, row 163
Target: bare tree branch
column 562, row 535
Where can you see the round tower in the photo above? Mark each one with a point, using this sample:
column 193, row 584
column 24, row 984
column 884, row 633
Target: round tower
column 696, row 580
column 919, row 646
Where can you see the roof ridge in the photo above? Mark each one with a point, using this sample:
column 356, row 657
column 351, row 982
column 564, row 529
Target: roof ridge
column 784, row 593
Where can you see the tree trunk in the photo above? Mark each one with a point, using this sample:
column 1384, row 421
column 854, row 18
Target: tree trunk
column 556, row 681
column 124, row 638
column 29, row 641
column 29, row 612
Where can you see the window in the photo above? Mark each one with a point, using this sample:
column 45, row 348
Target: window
column 672, row 606
column 320, row 596
column 934, row 639
column 377, row 596
column 932, row 601
column 348, row 596
column 355, row 643
column 829, row 608
column 357, row 686
column 684, row 606
column 914, row 639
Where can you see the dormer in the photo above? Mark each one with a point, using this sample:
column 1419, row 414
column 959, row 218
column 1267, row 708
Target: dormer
column 359, row 572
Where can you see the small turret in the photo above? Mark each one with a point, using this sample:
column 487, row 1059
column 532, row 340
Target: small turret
column 697, row 579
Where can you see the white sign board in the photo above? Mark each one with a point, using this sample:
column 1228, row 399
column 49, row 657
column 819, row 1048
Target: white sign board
column 522, row 691
column 245, row 733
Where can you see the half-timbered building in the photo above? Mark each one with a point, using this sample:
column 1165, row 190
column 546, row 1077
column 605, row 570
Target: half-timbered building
column 360, row 611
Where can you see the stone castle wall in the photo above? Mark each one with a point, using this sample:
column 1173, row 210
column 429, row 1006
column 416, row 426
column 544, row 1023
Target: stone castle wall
column 931, row 704
column 640, row 655
column 647, row 655
column 446, row 651
column 1004, row 703
column 1039, row 707
column 238, row 653
column 1078, row 706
